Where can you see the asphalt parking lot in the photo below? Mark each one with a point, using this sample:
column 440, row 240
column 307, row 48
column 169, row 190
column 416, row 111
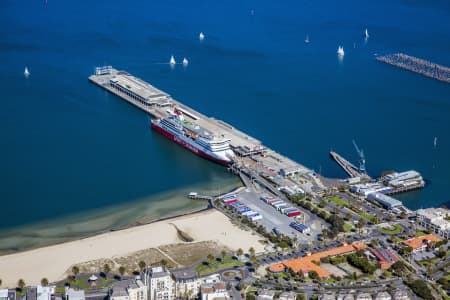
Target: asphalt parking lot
column 273, row 218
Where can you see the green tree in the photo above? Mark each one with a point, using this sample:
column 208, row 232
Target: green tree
column 44, row 281
column 21, row 284
column 210, row 257
column 75, row 271
column 223, row 253
column 0, row 282
column 240, row 252
column 322, row 203
column 348, row 216
column 122, row 270
column 313, row 275
column 301, row 296
column 106, row 269
column 164, row 262
column 142, row 265
column 406, row 250
column 251, row 251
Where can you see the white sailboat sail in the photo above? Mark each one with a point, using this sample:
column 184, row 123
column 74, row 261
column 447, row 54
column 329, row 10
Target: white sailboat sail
column 172, row 60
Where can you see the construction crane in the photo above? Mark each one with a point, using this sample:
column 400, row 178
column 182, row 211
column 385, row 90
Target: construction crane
column 362, row 159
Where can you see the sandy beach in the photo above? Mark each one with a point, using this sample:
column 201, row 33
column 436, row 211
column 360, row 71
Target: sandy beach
column 52, row 261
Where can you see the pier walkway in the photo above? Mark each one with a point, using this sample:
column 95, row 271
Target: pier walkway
column 417, row 65
column 348, row 167
column 156, row 103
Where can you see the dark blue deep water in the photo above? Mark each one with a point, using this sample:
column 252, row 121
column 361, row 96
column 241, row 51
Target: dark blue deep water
column 67, row 146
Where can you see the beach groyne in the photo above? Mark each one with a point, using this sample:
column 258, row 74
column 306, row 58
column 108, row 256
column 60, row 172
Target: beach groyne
column 417, row 65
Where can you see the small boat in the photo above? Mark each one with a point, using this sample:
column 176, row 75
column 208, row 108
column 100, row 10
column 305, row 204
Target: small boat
column 26, row 72
column 172, row 61
column 201, row 36
column 185, row 61
column 435, row 141
column 366, row 33
column 307, row 39
column 340, row 51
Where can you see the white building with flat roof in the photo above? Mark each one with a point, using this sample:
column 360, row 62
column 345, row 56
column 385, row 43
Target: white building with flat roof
column 436, row 220
column 160, row 284
column 45, row 292
column 385, row 200
column 214, row 291
column 187, row 283
column 72, row 294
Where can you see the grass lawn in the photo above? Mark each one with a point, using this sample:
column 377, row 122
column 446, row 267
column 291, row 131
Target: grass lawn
column 338, row 201
column 396, row 230
column 420, row 233
column 366, row 216
column 347, row 226
column 214, row 266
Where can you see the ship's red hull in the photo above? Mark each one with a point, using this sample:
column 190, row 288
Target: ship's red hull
column 188, row 146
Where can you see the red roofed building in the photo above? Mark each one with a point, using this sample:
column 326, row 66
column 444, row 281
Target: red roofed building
column 385, row 258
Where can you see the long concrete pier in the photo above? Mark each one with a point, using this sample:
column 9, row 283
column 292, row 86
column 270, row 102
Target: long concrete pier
column 251, row 156
column 347, row 166
column 417, row 65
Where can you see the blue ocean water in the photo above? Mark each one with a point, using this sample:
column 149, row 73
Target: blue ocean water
column 67, row 146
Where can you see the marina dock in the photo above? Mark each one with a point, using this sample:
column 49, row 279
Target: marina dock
column 417, row 65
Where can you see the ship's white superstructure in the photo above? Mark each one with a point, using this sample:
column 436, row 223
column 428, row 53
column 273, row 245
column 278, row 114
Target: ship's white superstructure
column 194, row 138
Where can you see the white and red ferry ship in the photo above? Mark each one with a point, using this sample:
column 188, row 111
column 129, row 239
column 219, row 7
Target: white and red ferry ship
column 194, row 138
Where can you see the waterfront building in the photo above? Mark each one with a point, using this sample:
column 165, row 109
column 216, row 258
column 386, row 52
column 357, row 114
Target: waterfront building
column 45, row 292
column 436, row 220
column 159, row 283
column 421, row 243
column 327, row 297
column 187, row 283
column 385, row 200
column 364, row 189
column 72, row 294
column 214, row 291
column 265, row 295
column 287, row 296
column 383, row 296
column 132, row 289
column 364, row 296
column 6, row 294
column 404, row 180
column 400, row 295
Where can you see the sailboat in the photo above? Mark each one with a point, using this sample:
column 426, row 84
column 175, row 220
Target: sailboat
column 26, row 72
column 185, row 62
column 201, row 36
column 340, row 51
column 307, row 39
column 172, row 61
column 366, row 33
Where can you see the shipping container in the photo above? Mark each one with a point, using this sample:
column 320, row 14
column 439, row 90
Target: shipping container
column 281, row 203
column 293, row 214
column 248, row 213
